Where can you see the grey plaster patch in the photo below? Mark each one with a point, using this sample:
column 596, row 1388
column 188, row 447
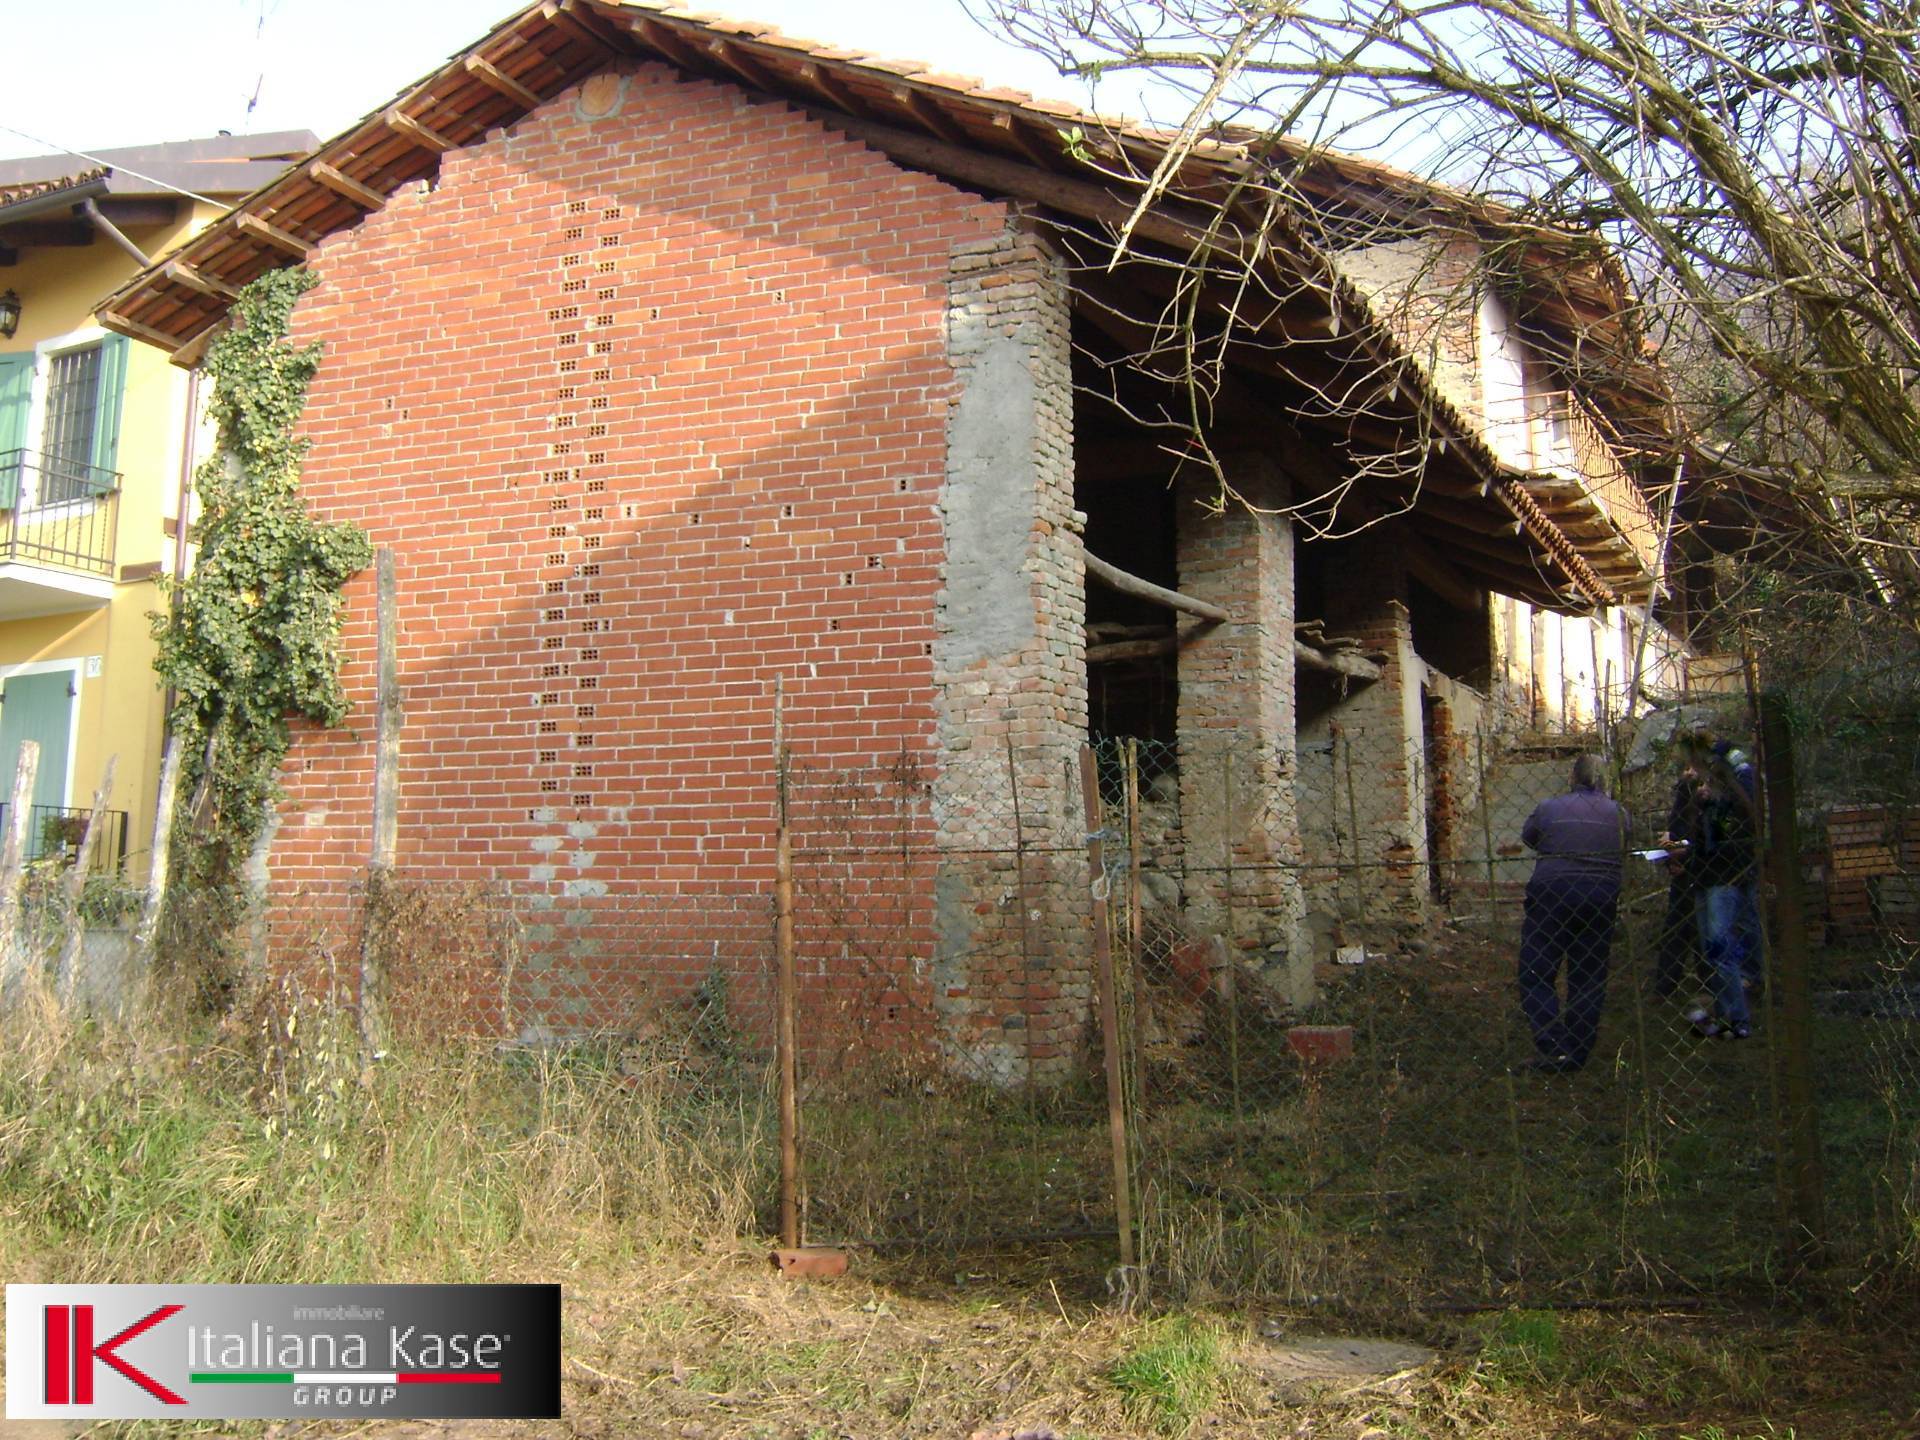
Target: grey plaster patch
column 586, row 887
column 991, row 444
column 953, row 901
column 1301, row 1366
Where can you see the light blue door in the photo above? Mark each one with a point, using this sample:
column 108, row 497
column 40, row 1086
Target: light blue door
column 37, row 707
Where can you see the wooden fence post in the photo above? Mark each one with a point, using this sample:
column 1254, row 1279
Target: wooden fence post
column 67, row 972
column 375, row 1026
column 159, row 856
column 13, row 861
column 1109, row 1007
column 788, row 989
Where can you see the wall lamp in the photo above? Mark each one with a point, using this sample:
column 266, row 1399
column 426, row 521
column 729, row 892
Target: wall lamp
column 9, row 315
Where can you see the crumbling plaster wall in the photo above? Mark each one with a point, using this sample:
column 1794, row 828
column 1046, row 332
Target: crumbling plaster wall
column 1011, row 967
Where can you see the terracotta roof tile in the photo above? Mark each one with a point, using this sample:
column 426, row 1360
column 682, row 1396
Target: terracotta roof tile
column 33, row 189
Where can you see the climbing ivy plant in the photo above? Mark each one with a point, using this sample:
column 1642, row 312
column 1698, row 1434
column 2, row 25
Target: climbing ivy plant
column 252, row 637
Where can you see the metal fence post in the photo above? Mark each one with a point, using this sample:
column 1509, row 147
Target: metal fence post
column 1486, row 830
column 1135, row 938
column 1232, row 977
column 1109, row 1009
column 1793, row 1050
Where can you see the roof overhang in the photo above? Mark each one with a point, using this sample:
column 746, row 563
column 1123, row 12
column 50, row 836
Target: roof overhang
column 996, row 141
column 56, row 197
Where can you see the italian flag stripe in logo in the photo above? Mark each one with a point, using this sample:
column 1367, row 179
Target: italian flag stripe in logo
column 368, row 1377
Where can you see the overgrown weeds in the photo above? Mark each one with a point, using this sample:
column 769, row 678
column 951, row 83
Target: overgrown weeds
column 272, row 1152
column 277, row 1155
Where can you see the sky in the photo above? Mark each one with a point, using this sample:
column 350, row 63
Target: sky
column 125, row 72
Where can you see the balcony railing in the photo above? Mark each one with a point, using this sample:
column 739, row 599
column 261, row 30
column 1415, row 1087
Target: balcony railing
column 58, row 513
column 1569, row 448
column 54, row 831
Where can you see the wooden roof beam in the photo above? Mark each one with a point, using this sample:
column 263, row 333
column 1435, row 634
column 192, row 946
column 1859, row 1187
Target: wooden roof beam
column 663, row 39
column 166, row 341
column 739, row 63
column 1490, row 550
column 195, row 350
column 1024, row 142
column 493, row 75
column 405, row 125
column 567, row 16
column 1083, row 198
column 343, row 184
column 280, row 239
column 181, row 273
column 1437, row 573
column 1115, row 578
column 930, row 115
column 1336, row 662
column 829, row 89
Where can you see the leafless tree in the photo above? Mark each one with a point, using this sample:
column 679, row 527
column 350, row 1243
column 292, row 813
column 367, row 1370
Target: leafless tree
column 1751, row 168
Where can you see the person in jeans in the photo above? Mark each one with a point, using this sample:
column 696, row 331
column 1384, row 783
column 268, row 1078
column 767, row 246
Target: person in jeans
column 1721, row 859
column 1752, row 943
column 1677, row 962
column 1572, row 901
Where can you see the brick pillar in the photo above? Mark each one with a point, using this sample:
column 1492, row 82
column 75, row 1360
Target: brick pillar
column 1377, row 730
column 1012, row 998
column 1236, row 726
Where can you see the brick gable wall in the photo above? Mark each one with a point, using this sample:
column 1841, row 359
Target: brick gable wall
column 649, row 395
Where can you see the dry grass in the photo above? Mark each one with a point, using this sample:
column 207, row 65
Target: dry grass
column 266, row 1152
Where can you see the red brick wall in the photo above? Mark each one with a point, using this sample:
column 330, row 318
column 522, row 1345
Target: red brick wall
column 651, row 406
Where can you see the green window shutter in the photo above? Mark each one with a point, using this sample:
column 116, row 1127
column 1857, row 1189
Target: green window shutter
column 112, row 392
column 16, row 395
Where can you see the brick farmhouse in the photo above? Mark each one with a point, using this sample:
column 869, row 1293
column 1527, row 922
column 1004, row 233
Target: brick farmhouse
column 673, row 358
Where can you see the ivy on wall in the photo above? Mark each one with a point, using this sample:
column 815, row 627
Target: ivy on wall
column 251, row 637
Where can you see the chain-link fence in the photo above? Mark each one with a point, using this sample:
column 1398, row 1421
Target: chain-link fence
column 1363, row 1040
column 945, row 993
column 1379, row 1036
column 1857, row 822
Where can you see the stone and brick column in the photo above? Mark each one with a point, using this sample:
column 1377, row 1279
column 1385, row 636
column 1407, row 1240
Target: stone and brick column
column 1235, row 726
column 1012, row 956
column 1377, row 731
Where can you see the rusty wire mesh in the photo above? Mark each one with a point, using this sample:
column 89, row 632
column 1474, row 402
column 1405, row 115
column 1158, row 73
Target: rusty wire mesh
column 945, row 989
column 1326, row 1035
column 1316, row 958
column 1858, row 792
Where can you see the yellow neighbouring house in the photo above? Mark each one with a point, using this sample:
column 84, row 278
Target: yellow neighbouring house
column 97, row 438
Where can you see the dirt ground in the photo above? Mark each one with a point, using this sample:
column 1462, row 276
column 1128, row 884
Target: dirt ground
column 714, row 1346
